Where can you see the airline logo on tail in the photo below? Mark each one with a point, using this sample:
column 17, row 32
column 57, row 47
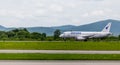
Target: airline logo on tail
column 107, row 28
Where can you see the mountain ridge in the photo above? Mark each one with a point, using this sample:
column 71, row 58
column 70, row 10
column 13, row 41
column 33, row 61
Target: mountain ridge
column 96, row 26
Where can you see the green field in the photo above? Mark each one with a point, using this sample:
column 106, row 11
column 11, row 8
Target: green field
column 69, row 45
column 59, row 57
column 112, row 45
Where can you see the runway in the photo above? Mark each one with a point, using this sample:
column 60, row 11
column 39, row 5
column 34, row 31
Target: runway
column 60, row 51
column 33, row 62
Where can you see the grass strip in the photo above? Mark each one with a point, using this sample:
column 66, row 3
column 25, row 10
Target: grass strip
column 115, row 45
column 59, row 56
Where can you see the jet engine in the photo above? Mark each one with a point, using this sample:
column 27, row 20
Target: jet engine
column 80, row 38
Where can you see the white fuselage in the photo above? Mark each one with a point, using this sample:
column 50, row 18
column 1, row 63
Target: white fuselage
column 84, row 35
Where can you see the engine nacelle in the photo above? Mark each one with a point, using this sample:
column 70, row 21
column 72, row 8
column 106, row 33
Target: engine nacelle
column 80, row 38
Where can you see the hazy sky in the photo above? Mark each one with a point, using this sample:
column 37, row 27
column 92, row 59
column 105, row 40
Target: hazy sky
column 29, row 13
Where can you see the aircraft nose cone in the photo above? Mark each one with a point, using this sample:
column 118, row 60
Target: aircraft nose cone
column 61, row 35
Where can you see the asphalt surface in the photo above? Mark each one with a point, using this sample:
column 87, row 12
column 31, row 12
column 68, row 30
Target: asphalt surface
column 60, row 51
column 32, row 62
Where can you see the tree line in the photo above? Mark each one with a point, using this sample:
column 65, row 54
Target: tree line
column 25, row 35
column 21, row 34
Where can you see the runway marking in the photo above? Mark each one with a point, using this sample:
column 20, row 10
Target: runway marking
column 60, row 51
column 32, row 62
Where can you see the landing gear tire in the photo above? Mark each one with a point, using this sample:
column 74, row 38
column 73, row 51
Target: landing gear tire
column 85, row 40
column 64, row 39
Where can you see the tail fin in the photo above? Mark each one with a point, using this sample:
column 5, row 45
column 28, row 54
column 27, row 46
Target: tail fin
column 107, row 28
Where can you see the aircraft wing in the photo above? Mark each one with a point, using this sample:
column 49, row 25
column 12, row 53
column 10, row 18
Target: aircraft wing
column 83, row 37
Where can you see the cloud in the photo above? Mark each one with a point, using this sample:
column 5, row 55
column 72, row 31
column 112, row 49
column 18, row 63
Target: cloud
column 56, row 8
column 21, row 13
column 97, row 13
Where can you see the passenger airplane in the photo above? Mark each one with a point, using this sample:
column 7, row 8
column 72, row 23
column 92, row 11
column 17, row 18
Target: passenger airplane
column 85, row 35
